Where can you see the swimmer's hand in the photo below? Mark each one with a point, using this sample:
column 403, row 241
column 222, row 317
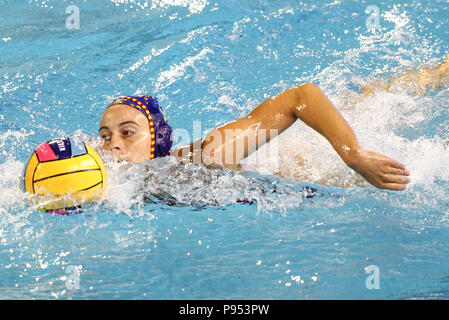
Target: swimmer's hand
column 379, row 170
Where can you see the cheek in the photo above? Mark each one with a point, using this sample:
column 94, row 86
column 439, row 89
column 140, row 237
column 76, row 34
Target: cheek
column 105, row 145
column 141, row 147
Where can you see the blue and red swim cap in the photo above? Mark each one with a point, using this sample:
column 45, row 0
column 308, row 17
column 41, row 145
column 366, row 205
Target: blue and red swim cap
column 161, row 139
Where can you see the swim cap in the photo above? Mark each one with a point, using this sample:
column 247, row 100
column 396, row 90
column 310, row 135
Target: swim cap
column 161, row 140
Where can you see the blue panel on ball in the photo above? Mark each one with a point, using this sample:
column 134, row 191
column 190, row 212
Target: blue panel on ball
column 78, row 147
column 61, row 147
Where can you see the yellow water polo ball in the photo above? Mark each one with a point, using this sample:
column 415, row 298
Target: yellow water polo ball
column 63, row 174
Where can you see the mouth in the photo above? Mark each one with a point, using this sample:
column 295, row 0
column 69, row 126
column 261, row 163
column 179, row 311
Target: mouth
column 120, row 159
column 113, row 157
column 117, row 156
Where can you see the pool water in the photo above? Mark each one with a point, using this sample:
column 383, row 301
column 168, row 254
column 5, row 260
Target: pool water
column 320, row 232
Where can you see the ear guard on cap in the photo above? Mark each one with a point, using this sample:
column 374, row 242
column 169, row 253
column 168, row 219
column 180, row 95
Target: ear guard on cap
column 163, row 139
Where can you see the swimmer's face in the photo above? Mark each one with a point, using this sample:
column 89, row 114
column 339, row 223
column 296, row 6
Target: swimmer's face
column 126, row 133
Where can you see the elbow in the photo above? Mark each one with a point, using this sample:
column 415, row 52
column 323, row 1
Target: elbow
column 305, row 94
column 307, row 89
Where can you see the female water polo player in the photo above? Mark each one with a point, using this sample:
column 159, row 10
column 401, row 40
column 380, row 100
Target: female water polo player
column 134, row 128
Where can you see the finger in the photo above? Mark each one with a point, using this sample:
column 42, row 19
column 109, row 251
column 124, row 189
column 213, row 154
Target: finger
column 390, row 178
column 396, row 171
column 394, row 186
column 396, row 164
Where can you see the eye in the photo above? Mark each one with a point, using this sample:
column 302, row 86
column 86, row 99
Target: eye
column 128, row 133
column 105, row 137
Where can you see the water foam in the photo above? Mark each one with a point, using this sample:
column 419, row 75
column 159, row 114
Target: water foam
column 164, row 180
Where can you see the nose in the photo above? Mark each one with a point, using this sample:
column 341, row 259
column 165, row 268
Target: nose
column 115, row 145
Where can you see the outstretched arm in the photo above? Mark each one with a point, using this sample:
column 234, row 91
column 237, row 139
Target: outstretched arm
column 417, row 82
column 227, row 145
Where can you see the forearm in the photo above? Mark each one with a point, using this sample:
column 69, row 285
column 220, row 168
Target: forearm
column 315, row 110
column 319, row 113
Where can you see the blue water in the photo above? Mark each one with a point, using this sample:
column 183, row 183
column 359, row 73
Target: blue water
column 209, row 63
